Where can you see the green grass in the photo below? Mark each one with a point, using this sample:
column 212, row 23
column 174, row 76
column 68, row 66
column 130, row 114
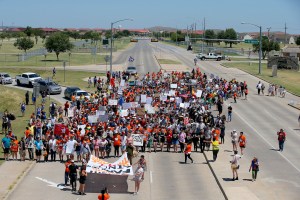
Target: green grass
column 9, row 55
column 242, row 59
column 72, row 78
column 10, row 100
column 288, row 78
column 167, row 61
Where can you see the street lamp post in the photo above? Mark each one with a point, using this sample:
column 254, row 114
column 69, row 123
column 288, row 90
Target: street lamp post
column 260, row 45
column 111, row 40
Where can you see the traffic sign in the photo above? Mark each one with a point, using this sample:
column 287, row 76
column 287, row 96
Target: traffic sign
column 251, row 41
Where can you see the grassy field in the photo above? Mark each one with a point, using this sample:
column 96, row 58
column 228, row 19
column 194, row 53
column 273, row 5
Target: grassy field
column 72, row 78
column 10, row 100
column 287, row 78
column 167, row 61
column 9, row 55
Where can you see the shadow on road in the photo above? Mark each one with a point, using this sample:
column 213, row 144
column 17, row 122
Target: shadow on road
column 227, row 179
column 274, row 149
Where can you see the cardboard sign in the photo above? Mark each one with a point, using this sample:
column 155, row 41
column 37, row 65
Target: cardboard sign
column 199, row 93
column 173, row 85
column 137, row 139
column 134, row 104
column 98, row 113
column 124, row 113
column 103, row 118
column 143, row 98
column 126, row 105
column 149, row 100
column 92, row 119
column 151, row 110
column 112, row 102
column 122, row 83
column 140, row 111
column 82, row 132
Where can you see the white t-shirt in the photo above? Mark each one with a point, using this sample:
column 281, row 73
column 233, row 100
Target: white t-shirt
column 52, row 144
column 235, row 159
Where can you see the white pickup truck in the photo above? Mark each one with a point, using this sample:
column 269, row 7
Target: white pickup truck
column 28, row 78
column 202, row 56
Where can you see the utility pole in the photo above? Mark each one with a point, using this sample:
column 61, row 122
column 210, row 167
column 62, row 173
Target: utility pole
column 285, row 38
column 269, row 41
column 203, row 35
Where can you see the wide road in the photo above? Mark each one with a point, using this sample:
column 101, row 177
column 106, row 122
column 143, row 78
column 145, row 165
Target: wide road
column 260, row 117
column 143, row 54
column 166, row 178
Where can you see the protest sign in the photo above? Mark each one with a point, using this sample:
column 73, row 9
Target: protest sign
column 173, row 85
column 112, row 102
column 149, row 100
column 137, row 139
column 126, row 105
column 92, row 119
column 199, row 93
column 143, row 98
column 103, row 118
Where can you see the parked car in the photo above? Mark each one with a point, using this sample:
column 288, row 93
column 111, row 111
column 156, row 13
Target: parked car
column 131, row 70
column 5, row 78
column 49, row 86
column 28, row 78
column 78, row 94
column 69, row 91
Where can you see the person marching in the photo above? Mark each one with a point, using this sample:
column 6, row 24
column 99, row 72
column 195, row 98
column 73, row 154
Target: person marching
column 235, row 165
column 255, row 168
column 188, row 151
column 73, row 175
column 281, row 139
column 242, row 141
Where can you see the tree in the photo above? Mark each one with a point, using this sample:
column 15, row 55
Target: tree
column 24, row 43
column 125, row 33
column 298, row 40
column 38, row 33
column 230, row 34
column 58, row 43
column 210, row 34
column 267, row 46
column 221, row 35
column 18, row 34
column 28, row 31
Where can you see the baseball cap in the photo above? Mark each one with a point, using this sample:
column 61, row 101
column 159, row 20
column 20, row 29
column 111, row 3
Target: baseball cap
column 72, row 161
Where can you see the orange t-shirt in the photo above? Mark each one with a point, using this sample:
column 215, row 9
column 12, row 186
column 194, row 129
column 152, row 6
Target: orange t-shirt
column 188, row 148
column 106, row 196
column 27, row 132
column 117, row 140
column 242, row 139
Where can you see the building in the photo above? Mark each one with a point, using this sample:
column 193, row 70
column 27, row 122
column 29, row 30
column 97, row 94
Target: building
column 291, row 51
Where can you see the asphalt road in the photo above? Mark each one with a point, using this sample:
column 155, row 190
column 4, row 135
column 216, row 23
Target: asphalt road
column 260, row 117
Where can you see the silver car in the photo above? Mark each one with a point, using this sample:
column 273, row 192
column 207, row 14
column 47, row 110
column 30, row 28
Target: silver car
column 49, row 87
column 131, row 70
column 5, row 78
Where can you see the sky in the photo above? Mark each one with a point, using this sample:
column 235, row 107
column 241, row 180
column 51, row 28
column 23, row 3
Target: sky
column 218, row 14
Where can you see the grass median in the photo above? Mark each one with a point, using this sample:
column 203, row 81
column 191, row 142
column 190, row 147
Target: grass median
column 290, row 79
column 11, row 99
column 168, row 61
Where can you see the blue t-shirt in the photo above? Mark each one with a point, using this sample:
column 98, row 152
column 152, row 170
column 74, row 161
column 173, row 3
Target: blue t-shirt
column 6, row 142
column 38, row 144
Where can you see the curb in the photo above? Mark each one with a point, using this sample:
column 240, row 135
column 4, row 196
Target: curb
column 19, row 180
column 215, row 176
column 222, row 64
column 294, row 106
column 157, row 61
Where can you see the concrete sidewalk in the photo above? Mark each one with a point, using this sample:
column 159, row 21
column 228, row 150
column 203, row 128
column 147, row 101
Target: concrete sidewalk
column 11, row 174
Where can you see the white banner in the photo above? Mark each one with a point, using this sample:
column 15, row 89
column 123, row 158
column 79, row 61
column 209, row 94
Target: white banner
column 120, row 167
column 137, row 139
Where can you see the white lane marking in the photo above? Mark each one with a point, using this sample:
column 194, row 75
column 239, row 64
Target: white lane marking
column 51, row 184
column 151, row 180
column 267, row 141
